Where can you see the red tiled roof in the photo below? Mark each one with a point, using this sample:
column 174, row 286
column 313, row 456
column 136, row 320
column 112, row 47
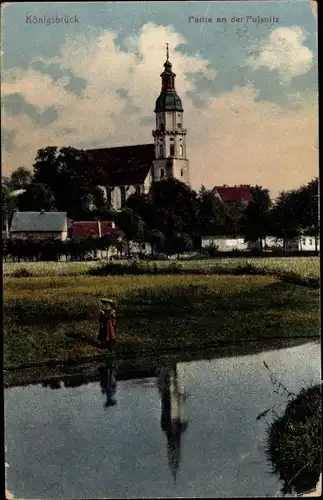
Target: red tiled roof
column 84, row 229
column 238, row 194
column 125, row 165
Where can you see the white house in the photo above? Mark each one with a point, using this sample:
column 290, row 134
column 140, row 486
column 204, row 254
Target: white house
column 300, row 243
column 224, row 243
column 270, row 243
column 303, row 244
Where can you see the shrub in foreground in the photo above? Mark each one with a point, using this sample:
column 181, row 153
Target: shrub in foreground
column 294, row 442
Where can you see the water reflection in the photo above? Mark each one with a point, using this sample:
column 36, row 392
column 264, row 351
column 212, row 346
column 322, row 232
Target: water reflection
column 52, row 384
column 173, row 412
column 108, row 382
column 149, row 445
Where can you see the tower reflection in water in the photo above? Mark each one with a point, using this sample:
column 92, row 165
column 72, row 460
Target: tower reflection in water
column 108, row 383
column 173, row 412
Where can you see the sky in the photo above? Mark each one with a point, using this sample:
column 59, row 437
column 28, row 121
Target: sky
column 248, row 88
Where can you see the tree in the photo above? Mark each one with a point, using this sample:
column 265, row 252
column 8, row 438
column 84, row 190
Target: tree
column 50, row 250
column 141, row 204
column 19, row 179
column 131, row 225
column 174, row 207
column 307, row 209
column 4, row 248
column 36, row 197
column 283, row 217
column 46, row 168
column 4, row 203
column 77, row 175
column 156, row 239
column 9, row 199
column 255, row 218
column 179, row 243
column 71, row 177
column 212, row 214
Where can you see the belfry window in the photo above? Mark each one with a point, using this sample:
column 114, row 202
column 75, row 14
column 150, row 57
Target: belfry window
column 162, row 173
column 172, row 150
column 162, row 127
column 180, row 150
column 161, row 150
column 182, row 172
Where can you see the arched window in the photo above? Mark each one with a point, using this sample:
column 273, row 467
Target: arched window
column 162, row 173
column 161, row 150
column 181, row 150
column 182, row 172
column 162, row 127
column 172, row 150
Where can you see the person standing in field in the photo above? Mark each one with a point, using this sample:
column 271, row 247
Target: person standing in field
column 108, row 324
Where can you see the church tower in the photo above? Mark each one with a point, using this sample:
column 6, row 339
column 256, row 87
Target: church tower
column 169, row 136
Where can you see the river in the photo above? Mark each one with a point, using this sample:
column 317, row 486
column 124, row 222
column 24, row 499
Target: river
column 190, row 432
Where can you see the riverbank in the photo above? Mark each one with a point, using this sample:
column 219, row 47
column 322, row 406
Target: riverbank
column 85, row 370
column 55, row 318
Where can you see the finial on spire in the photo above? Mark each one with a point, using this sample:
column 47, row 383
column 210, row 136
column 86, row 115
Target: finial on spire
column 167, row 53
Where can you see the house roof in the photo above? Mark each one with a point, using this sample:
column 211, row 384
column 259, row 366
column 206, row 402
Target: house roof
column 239, row 194
column 124, row 165
column 84, row 229
column 38, row 221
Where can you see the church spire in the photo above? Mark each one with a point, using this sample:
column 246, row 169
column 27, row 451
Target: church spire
column 167, row 76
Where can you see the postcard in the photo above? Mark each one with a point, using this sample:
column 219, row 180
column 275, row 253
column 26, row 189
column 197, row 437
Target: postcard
column 160, row 249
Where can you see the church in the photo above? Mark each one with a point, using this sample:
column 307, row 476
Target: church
column 132, row 169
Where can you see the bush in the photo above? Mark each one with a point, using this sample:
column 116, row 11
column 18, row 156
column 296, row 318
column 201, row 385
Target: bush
column 246, row 268
column 296, row 279
column 22, row 272
column 121, row 269
column 173, row 268
column 294, row 442
column 212, row 250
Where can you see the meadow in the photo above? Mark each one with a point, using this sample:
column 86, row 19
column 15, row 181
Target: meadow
column 55, row 317
column 302, row 266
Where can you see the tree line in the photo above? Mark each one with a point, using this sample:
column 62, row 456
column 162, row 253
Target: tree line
column 172, row 217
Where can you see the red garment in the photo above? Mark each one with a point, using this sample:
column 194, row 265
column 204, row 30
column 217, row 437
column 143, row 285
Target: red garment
column 112, row 331
column 103, row 331
column 108, row 330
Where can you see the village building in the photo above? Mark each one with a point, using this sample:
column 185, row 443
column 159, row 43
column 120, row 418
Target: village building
column 98, row 229
column 93, row 229
column 270, row 243
column 42, row 225
column 133, row 169
column 234, row 195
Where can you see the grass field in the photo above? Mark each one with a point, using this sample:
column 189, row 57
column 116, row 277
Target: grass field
column 56, row 317
column 303, row 266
